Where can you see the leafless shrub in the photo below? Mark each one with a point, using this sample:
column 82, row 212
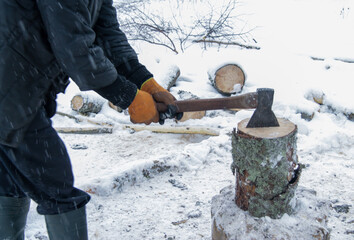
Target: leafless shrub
column 178, row 24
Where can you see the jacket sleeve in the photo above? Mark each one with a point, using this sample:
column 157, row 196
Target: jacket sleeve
column 116, row 46
column 72, row 39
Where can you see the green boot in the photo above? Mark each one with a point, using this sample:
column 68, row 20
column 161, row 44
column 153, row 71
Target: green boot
column 13, row 216
column 69, row 226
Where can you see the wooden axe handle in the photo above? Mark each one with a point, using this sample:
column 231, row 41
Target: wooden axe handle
column 244, row 101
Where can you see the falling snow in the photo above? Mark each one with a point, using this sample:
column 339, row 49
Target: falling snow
column 148, row 185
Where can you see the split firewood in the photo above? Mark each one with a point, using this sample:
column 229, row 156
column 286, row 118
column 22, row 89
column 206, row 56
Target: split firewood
column 87, row 102
column 81, row 119
column 228, row 79
column 174, row 129
column 84, row 130
column 190, row 115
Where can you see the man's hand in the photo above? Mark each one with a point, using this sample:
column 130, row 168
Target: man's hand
column 143, row 109
column 165, row 101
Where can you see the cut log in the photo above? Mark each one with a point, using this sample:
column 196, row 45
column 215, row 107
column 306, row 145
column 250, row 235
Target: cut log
column 267, row 168
column 228, row 79
column 174, row 129
column 190, row 115
column 170, row 77
column 86, row 103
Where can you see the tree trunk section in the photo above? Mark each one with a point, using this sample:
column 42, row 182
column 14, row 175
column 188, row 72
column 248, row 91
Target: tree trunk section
column 229, row 79
column 267, row 168
column 86, row 103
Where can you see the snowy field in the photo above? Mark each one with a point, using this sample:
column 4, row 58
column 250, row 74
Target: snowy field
column 148, row 185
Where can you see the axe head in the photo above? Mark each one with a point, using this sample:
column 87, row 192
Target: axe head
column 263, row 116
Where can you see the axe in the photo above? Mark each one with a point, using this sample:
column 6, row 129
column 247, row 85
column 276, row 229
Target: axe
column 262, row 101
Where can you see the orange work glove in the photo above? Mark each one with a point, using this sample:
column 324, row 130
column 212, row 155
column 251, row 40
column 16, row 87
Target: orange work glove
column 143, row 109
column 165, row 101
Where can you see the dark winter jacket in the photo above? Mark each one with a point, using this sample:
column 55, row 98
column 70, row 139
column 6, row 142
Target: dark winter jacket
column 44, row 41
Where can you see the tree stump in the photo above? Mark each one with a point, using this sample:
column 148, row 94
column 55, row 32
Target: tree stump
column 228, row 79
column 86, row 103
column 267, row 168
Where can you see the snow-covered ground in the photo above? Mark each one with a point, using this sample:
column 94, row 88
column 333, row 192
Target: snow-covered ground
column 148, row 185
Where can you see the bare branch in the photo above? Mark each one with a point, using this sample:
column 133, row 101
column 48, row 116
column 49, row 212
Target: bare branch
column 228, row 43
column 168, row 26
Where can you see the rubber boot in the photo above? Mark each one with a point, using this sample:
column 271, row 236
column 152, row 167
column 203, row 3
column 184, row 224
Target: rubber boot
column 69, row 226
column 13, row 216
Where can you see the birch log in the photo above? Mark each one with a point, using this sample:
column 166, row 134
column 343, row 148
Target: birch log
column 228, row 79
column 175, row 129
column 87, row 102
column 84, row 130
column 267, row 168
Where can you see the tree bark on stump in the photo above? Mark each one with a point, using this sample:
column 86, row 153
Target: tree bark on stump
column 228, row 79
column 267, row 168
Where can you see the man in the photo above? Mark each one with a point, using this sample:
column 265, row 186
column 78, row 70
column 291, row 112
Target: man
column 42, row 43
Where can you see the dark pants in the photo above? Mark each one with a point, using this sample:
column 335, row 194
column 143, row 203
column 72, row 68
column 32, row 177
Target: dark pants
column 40, row 168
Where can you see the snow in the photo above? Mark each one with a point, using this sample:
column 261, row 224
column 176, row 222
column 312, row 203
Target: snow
column 130, row 174
column 308, row 218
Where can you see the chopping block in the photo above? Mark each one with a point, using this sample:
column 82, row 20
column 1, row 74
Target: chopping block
column 266, row 167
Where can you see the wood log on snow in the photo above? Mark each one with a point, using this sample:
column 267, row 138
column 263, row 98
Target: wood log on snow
column 175, row 129
column 82, row 119
column 87, row 102
column 228, row 79
column 84, row 130
column 190, row 115
column 267, row 168
column 169, row 77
